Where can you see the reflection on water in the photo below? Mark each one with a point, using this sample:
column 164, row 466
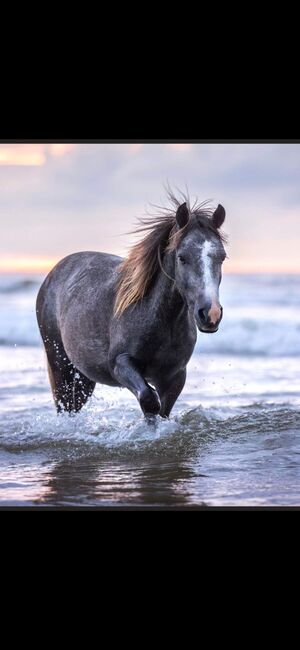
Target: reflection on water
column 115, row 483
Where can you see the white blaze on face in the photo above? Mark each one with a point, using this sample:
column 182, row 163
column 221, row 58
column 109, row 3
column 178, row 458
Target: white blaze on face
column 210, row 283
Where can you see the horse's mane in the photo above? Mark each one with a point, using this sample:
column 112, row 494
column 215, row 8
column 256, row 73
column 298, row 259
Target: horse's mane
column 140, row 267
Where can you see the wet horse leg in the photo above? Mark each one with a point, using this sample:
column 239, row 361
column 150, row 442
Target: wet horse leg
column 127, row 373
column 70, row 388
column 169, row 390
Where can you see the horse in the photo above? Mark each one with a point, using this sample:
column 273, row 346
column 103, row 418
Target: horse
column 132, row 322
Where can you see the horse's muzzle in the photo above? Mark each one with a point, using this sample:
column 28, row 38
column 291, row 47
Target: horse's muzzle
column 208, row 318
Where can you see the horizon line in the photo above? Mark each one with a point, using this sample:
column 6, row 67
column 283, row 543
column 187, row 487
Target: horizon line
column 45, row 268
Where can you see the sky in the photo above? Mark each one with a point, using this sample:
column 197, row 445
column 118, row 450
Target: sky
column 56, row 199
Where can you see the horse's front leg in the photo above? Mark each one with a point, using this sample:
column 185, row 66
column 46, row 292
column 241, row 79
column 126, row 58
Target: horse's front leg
column 169, row 390
column 127, row 373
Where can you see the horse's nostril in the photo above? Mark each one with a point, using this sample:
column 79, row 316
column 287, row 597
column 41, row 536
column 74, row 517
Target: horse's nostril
column 203, row 315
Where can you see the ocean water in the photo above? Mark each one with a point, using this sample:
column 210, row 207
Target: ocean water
column 233, row 437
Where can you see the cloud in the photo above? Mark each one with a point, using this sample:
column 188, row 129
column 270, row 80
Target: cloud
column 31, row 155
column 25, row 155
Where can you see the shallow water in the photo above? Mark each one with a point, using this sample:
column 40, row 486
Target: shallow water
column 233, row 438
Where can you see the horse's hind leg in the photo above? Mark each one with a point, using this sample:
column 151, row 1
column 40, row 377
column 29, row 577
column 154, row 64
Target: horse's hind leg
column 70, row 388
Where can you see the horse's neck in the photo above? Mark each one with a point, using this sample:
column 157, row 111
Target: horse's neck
column 165, row 296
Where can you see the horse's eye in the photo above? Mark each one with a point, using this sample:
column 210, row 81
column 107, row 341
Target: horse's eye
column 182, row 259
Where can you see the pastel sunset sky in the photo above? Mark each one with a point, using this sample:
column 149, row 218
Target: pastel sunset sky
column 56, row 199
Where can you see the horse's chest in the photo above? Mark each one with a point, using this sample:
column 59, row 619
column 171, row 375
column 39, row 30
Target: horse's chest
column 169, row 351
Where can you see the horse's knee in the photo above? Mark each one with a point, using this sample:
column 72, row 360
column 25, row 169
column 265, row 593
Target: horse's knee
column 128, row 373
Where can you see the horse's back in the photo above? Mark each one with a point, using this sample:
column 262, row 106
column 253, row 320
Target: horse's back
column 72, row 268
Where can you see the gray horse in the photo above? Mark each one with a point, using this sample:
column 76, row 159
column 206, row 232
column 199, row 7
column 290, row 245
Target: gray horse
column 132, row 322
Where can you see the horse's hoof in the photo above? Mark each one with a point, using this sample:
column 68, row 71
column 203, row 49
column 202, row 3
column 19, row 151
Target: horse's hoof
column 149, row 401
column 151, row 420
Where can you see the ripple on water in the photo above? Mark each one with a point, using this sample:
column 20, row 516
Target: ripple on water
column 112, row 430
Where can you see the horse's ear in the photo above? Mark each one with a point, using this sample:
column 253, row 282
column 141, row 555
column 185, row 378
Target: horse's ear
column 218, row 216
column 182, row 215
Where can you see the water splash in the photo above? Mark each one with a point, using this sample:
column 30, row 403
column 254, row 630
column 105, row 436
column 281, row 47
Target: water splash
column 109, row 428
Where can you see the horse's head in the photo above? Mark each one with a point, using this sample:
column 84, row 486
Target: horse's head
column 198, row 271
